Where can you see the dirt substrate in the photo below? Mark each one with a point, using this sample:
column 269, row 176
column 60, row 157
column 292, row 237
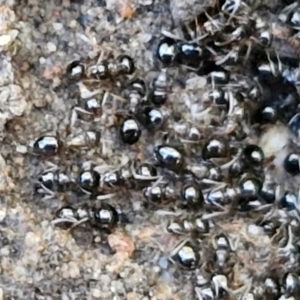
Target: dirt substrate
column 39, row 261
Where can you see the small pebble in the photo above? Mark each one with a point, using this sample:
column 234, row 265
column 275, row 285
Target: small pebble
column 58, row 26
column 32, row 240
column 163, row 263
column 64, row 297
column 5, row 39
column 97, row 239
column 255, row 230
column 40, row 102
column 144, row 37
column 4, row 251
column 105, row 279
column 132, row 296
column 137, row 206
column 74, row 271
column 2, row 215
column 117, row 287
column 42, row 60
column 273, row 140
column 156, row 269
column 51, row 47
column 145, row 2
column 73, row 24
column 96, row 293
column 122, row 244
column 135, row 44
column 21, row 149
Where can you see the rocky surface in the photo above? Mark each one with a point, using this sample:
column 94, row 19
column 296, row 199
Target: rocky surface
column 183, row 11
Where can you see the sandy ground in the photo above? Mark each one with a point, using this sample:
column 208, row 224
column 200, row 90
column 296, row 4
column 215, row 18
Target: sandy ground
column 39, row 261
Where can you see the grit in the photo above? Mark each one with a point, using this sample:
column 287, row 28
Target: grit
column 38, row 261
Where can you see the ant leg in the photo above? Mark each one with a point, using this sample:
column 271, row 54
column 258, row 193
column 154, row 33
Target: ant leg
column 79, row 109
column 77, row 223
column 215, row 214
column 289, row 245
column 171, row 35
column 63, row 220
column 73, row 119
column 52, row 167
column 105, row 98
column 48, row 194
column 100, row 58
column 105, row 197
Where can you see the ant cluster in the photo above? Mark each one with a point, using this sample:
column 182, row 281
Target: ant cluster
column 226, row 171
column 122, row 65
